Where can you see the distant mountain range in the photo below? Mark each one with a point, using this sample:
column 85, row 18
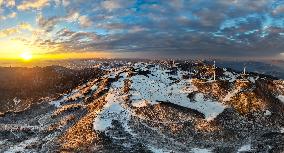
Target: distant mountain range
column 269, row 67
column 273, row 67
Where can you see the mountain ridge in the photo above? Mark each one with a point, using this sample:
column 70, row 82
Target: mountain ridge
column 150, row 107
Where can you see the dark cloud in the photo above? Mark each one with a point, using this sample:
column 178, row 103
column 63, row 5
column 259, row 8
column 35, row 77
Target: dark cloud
column 49, row 23
column 198, row 27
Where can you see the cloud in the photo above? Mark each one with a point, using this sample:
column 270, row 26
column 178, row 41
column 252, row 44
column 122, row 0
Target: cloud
column 7, row 3
column 65, row 2
column 49, row 23
column 75, row 16
column 111, row 5
column 9, row 16
column 224, row 27
column 12, row 15
column 278, row 10
column 62, row 2
column 177, row 27
column 10, row 3
column 85, row 21
column 76, row 39
column 8, row 32
column 15, row 30
column 33, row 4
column 246, row 5
column 136, row 29
column 25, row 26
column 65, row 41
column 72, row 16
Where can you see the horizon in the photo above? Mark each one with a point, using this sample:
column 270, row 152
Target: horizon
column 49, row 62
column 270, row 67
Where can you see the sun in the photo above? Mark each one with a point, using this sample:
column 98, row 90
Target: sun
column 26, row 56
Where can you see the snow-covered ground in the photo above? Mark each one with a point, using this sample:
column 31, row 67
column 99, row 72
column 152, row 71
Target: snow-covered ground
column 281, row 98
column 230, row 76
column 164, row 135
column 231, row 94
column 114, row 109
column 140, row 103
column 282, row 130
column 151, row 90
column 159, row 87
column 252, row 79
column 244, row 148
column 158, row 150
column 21, row 146
column 198, row 150
column 75, row 94
column 267, row 113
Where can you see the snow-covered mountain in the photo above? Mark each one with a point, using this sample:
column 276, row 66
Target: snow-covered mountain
column 155, row 107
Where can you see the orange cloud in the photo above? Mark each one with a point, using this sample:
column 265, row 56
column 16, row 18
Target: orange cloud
column 11, row 15
column 15, row 30
column 33, row 4
column 8, row 32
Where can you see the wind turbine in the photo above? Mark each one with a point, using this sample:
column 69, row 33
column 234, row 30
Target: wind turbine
column 214, row 71
column 244, row 75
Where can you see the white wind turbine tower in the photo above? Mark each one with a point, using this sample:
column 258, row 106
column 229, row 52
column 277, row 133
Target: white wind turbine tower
column 214, row 72
column 244, row 75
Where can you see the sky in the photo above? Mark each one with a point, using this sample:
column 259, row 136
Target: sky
column 56, row 29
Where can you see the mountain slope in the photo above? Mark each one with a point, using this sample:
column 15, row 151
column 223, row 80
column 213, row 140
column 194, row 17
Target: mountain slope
column 147, row 107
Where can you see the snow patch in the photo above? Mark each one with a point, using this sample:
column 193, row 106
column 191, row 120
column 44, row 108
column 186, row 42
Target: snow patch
column 210, row 109
column 113, row 110
column 57, row 103
column 251, row 79
column 139, row 103
column 198, row 150
column 2, row 142
column 189, row 89
column 74, row 95
column 158, row 150
column 158, row 87
column 282, row 130
column 16, row 101
column 281, row 98
column 245, row 148
column 94, row 87
column 267, row 113
column 230, row 75
column 21, row 147
column 231, row 94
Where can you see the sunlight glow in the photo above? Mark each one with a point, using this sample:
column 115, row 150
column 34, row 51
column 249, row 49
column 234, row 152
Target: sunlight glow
column 18, row 50
column 26, row 56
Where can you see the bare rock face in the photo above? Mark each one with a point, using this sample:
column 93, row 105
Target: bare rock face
column 153, row 107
